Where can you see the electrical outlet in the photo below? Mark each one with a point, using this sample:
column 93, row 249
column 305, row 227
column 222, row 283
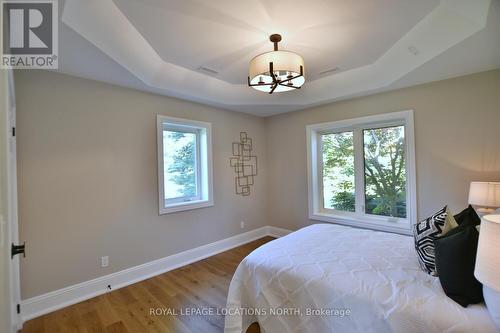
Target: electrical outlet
column 242, row 224
column 105, row 261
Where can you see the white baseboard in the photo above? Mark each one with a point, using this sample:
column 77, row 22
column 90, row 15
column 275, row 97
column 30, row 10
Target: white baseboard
column 277, row 232
column 55, row 300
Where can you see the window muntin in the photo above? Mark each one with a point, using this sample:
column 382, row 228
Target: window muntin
column 385, row 171
column 184, row 164
column 338, row 171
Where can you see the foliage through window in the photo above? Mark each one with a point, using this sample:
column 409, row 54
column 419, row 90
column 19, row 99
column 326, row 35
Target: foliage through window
column 385, row 171
column 180, row 154
column 362, row 171
column 338, row 171
column 184, row 164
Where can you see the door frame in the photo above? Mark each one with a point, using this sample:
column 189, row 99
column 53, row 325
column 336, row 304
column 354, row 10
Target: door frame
column 12, row 216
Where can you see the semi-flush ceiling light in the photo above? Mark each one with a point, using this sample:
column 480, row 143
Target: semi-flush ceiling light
column 276, row 71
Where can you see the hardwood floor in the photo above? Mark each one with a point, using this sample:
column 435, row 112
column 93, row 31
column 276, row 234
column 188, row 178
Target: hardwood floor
column 201, row 285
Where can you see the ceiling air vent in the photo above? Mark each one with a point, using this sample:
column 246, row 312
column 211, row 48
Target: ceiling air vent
column 207, row 70
column 329, row 71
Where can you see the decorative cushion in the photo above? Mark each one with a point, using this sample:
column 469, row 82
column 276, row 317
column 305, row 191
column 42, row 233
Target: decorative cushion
column 426, row 231
column 455, row 260
column 468, row 216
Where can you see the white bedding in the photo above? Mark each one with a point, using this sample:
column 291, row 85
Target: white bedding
column 373, row 274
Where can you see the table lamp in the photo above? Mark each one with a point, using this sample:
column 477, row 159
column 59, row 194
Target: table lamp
column 487, row 269
column 485, row 195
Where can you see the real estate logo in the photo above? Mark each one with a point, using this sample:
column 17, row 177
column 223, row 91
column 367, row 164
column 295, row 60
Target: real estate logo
column 29, row 34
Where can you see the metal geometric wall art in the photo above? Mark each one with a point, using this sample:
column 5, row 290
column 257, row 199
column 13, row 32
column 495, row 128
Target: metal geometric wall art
column 244, row 164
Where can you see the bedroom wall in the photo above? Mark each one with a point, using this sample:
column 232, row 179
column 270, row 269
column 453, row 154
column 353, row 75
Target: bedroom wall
column 88, row 180
column 87, row 168
column 457, row 141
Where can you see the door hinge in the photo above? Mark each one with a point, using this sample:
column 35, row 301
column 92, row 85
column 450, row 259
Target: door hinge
column 18, row 308
column 18, row 249
column 13, row 131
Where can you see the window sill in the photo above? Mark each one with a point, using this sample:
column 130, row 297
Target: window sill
column 188, row 205
column 366, row 222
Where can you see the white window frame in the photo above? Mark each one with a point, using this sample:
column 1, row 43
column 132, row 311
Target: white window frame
column 204, row 177
column 359, row 218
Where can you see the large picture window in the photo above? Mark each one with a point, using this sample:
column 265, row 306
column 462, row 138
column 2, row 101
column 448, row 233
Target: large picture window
column 184, row 164
column 362, row 172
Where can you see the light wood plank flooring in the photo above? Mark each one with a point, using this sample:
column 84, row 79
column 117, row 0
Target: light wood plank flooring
column 203, row 284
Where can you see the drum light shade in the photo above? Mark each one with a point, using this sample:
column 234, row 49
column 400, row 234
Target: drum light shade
column 276, row 71
column 485, row 194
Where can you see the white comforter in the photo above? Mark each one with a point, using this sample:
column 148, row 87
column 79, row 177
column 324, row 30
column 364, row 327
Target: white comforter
column 374, row 275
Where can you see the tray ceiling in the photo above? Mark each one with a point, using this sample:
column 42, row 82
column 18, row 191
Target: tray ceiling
column 225, row 35
column 161, row 46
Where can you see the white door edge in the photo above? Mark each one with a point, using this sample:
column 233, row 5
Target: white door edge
column 12, row 217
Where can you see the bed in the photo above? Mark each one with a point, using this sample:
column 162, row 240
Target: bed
column 331, row 278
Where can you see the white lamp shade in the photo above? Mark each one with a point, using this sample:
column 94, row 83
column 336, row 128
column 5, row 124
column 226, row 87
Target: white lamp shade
column 285, row 62
column 485, row 194
column 487, row 268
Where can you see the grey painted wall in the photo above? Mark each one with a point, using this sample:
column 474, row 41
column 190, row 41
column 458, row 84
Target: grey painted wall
column 88, row 179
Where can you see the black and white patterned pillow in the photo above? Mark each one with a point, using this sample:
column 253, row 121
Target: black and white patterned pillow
column 426, row 231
